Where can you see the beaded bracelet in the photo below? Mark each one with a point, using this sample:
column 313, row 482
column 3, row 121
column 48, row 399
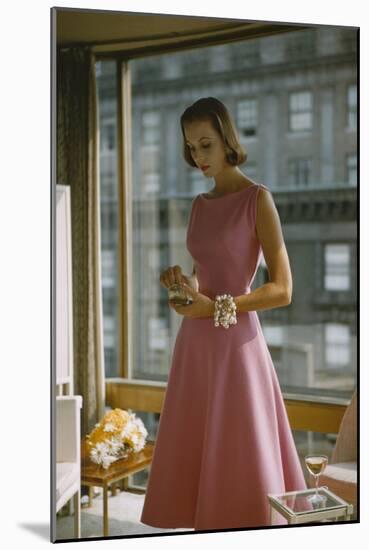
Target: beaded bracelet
column 225, row 312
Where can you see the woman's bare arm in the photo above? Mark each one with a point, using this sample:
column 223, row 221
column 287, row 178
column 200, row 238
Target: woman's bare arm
column 278, row 291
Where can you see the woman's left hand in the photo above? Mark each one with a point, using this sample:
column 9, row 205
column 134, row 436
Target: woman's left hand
column 202, row 306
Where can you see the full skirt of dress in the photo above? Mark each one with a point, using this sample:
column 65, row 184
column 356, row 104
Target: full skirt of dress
column 224, row 441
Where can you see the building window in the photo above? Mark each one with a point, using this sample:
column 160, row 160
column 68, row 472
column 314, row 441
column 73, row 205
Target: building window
column 245, row 54
column 158, row 333
column 299, row 172
column 337, row 267
column 301, row 46
column 351, row 169
column 150, row 151
column 149, row 70
column 247, row 117
column 151, row 182
column 108, row 138
column 337, row 346
column 300, row 111
column 195, row 62
column 150, row 127
column 108, row 268
column 352, row 107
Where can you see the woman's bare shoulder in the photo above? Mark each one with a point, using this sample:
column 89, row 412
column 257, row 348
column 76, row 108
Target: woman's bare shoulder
column 262, row 186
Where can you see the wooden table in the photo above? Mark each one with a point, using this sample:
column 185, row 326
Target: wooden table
column 94, row 475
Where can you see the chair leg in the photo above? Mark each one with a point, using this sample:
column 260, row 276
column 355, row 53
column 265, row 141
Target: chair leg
column 77, row 514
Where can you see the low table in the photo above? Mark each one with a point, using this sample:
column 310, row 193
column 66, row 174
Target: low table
column 296, row 508
column 94, row 475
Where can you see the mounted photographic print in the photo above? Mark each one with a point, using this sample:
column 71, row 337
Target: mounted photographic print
column 204, row 192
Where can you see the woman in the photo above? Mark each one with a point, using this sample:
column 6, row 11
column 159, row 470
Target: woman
column 224, row 441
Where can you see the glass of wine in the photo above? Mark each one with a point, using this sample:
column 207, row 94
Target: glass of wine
column 316, row 465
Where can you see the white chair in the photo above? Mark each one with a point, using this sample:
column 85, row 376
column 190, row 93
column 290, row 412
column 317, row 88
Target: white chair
column 68, row 455
column 68, row 406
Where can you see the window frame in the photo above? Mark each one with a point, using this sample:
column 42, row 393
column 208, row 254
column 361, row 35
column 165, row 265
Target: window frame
column 349, row 108
column 325, row 246
column 310, row 129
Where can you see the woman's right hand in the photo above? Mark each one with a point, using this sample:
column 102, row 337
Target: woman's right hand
column 171, row 276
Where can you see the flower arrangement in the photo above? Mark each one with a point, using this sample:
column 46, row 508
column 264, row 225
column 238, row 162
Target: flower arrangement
column 117, row 435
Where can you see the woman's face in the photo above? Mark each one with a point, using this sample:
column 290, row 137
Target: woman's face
column 206, row 147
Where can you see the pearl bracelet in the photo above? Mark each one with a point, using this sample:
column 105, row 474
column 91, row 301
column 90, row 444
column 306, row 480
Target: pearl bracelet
column 225, row 310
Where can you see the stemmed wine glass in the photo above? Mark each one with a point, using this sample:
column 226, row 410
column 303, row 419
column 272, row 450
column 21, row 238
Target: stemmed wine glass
column 316, row 465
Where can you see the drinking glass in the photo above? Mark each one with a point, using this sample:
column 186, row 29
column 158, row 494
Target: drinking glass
column 178, row 295
column 316, row 465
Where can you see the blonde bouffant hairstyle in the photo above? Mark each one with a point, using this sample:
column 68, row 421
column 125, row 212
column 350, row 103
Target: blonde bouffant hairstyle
column 210, row 108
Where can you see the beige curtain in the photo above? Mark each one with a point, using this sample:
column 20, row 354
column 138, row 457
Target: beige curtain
column 78, row 167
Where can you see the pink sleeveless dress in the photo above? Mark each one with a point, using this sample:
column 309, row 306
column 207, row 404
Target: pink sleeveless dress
column 224, row 440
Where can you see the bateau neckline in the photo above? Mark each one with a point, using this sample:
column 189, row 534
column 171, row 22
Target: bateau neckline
column 228, row 194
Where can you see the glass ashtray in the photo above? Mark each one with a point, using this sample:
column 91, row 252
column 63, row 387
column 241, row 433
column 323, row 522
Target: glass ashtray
column 178, row 295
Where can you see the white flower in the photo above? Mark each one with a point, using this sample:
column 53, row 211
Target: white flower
column 100, row 455
column 115, row 445
column 141, row 427
column 109, row 427
column 107, row 460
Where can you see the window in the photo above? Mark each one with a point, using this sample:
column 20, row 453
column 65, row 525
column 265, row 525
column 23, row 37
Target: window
column 247, row 117
column 274, row 335
column 108, row 268
column 196, row 62
column 107, row 136
column 299, row 172
column 245, row 55
column 150, row 152
column 337, row 267
column 351, row 169
column 301, row 46
column 351, row 107
column 300, row 111
column 337, row 346
column 148, row 70
column 150, row 127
